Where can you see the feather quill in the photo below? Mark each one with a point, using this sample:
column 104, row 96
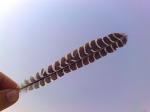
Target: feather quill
column 84, row 55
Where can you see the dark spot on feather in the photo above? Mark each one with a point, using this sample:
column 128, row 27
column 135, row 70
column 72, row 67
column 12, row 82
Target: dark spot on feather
column 118, row 35
column 109, row 49
column 63, row 62
column 85, row 61
column 42, row 82
column 79, row 64
column 106, row 40
column 73, row 66
column 57, row 65
column 103, row 52
column 101, row 43
column 97, row 55
column 67, row 69
column 114, row 46
column 54, row 76
column 120, row 44
column 82, row 52
column 70, row 58
column 91, row 58
column 60, row 73
column 113, row 38
column 48, row 79
column 87, row 48
column 50, row 69
column 36, row 85
column 32, row 79
column 94, row 45
column 76, row 55
column 38, row 75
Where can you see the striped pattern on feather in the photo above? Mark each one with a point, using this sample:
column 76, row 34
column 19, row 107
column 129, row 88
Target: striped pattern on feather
column 84, row 55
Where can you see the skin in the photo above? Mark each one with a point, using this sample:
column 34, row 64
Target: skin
column 9, row 92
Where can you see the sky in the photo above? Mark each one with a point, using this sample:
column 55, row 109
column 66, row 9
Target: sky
column 35, row 33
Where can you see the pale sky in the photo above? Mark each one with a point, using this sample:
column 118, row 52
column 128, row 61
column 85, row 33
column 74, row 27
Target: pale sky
column 35, row 33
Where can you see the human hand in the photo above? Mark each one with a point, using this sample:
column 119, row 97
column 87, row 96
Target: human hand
column 9, row 92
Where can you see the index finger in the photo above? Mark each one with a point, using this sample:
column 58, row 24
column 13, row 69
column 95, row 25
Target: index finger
column 6, row 82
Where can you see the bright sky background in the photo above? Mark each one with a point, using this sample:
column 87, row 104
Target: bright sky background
column 35, row 33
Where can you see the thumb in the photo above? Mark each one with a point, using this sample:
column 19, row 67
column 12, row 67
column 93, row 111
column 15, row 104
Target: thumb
column 8, row 97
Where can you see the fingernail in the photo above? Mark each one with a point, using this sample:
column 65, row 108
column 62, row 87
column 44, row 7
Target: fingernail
column 12, row 96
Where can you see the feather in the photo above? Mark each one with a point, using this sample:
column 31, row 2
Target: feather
column 84, row 55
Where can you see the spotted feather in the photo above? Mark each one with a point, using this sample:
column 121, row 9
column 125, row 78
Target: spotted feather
column 80, row 57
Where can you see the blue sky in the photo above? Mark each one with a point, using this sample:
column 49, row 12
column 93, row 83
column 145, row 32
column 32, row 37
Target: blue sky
column 34, row 34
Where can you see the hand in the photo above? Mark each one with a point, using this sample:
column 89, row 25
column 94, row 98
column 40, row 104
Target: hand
column 9, row 92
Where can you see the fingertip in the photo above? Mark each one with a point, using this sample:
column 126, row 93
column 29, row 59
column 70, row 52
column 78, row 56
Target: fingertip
column 12, row 96
column 8, row 97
